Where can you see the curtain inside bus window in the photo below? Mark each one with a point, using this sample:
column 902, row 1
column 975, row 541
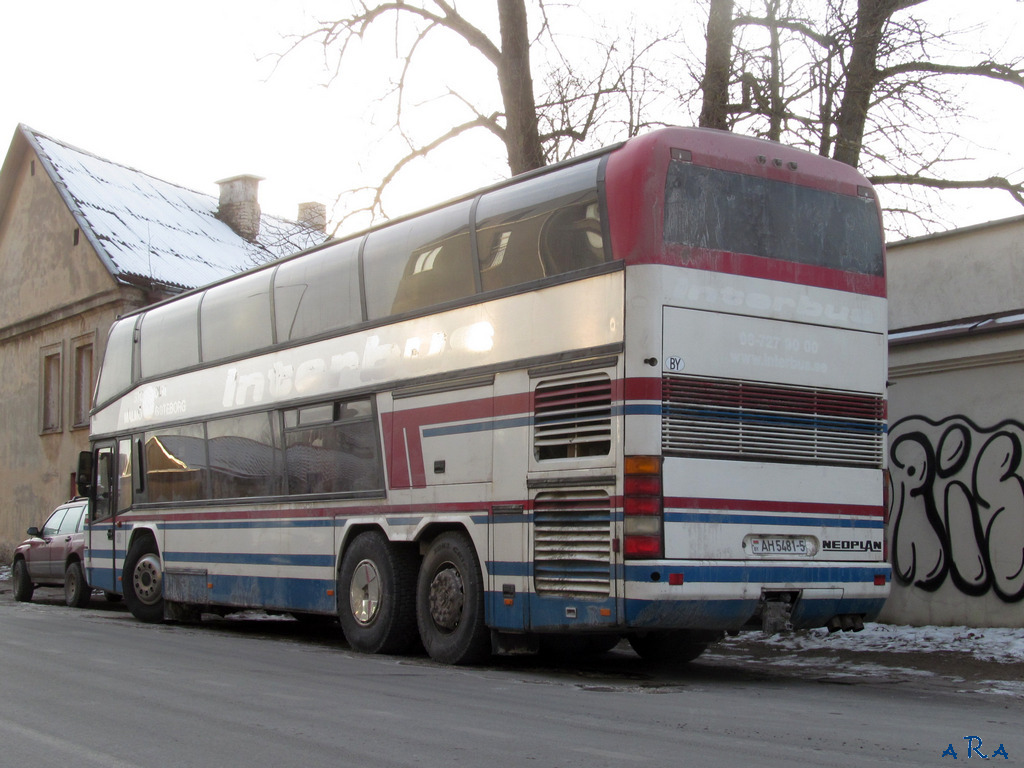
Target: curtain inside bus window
column 176, row 465
column 235, row 317
column 333, row 449
column 244, row 456
column 318, row 293
column 737, row 213
column 116, row 372
column 419, row 263
column 544, row 226
column 169, row 337
column 125, row 484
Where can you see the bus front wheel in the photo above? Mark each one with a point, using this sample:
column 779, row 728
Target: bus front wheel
column 376, row 591
column 143, row 581
column 450, row 602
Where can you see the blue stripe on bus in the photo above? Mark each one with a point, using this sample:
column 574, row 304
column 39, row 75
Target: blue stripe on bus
column 730, row 518
column 238, row 558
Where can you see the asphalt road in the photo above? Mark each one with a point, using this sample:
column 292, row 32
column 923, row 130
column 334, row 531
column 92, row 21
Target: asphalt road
column 94, row 687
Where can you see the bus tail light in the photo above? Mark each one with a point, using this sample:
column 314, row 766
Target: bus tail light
column 642, row 508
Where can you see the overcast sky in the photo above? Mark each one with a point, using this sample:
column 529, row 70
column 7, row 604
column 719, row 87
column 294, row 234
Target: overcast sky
column 188, row 92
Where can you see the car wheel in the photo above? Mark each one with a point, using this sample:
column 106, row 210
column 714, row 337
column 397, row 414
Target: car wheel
column 450, row 602
column 376, row 595
column 143, row 581
column 23, row 586
column 76, row 590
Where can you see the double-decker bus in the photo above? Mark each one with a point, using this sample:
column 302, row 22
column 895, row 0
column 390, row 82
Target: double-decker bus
column 639, row 394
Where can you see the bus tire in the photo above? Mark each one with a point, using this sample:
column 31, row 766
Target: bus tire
column 23, row 586
column 142, row 581
column 450, row 602
column 670, row 647
column 76, row 591
column 376, row 595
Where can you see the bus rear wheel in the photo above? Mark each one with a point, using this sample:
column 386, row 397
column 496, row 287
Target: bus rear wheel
column 450, row 602
column 143, row 581
column 376, row 595
column 673, row 647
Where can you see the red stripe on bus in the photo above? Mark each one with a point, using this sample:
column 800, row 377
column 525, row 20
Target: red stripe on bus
column 761, row 505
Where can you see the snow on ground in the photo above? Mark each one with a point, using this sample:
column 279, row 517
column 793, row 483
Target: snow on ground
column 992, row 644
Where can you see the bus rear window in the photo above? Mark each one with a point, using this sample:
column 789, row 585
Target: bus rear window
column 737, row 213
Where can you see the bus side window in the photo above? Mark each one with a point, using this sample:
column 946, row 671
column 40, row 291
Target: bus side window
column 169, row 337
column 419, row 263
column 176, row 465
column 333, row 448
column 540, row 228
column 318, row 293
column 572, row 239
column 234, row 317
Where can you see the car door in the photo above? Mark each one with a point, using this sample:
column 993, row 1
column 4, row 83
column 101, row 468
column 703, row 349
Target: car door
column 70, row 537
column 41, row 552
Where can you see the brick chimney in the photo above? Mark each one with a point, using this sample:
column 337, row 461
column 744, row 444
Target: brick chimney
column 314, row 216
column 238, row 207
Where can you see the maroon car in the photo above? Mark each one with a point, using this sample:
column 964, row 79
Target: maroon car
column 52, row 557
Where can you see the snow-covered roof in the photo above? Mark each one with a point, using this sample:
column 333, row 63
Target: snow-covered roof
column 154, row 232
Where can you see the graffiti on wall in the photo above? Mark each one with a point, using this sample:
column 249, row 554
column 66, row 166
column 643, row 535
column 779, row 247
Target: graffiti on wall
column 957, row 505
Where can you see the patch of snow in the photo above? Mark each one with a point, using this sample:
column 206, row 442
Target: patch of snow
column 5, row 573
column 994, row 644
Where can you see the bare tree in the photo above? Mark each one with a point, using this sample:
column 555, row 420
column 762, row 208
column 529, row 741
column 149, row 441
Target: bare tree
column 867, row 85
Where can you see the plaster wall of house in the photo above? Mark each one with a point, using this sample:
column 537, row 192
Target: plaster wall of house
column 57, row 301
column 956, row 437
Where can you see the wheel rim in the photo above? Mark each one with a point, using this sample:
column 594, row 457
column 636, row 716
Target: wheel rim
column 364, row 592
column 147, row 579
column 447, row 598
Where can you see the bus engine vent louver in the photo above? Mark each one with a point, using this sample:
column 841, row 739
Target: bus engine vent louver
column 572, row 544
column 572, row 418
column 754, row 421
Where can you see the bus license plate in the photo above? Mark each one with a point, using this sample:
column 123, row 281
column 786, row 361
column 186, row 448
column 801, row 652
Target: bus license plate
column 781, row 545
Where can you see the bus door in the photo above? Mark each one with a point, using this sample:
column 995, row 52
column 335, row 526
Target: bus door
column 100, row 541
column 113, row 487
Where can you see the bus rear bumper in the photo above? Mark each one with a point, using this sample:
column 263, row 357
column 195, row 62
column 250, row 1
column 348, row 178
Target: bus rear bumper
column 693, row 595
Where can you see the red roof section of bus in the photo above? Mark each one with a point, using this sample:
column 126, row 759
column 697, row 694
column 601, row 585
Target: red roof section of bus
column 637, row 171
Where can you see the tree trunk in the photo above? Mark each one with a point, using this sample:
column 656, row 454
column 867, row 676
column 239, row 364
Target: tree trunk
column 522, row 135
column 717, row 63
column 861, row 77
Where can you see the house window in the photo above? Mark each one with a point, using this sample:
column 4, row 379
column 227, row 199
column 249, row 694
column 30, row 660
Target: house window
column 81, row 392
column 50, row 393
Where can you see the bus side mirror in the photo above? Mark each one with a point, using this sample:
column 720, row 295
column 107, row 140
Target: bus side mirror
column 84, row 477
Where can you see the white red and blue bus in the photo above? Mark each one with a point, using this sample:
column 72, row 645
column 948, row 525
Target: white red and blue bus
column 640, row 394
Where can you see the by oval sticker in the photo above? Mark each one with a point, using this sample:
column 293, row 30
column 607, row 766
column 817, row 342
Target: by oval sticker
column 673, row 363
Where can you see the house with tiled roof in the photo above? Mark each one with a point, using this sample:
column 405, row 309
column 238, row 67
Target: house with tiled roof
column 82, row 241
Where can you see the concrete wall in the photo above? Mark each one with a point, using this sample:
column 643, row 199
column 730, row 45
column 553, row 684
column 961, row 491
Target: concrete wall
column 55, row 294
column 956, row 441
